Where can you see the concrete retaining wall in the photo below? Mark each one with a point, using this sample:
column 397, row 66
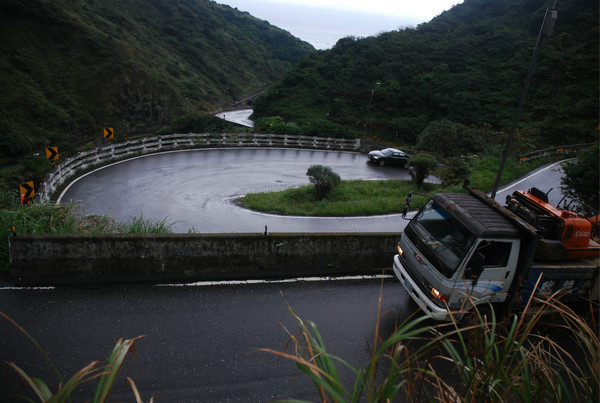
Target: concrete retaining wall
column 81, row 259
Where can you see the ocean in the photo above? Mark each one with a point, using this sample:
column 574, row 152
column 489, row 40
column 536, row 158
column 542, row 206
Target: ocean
column 321, row 27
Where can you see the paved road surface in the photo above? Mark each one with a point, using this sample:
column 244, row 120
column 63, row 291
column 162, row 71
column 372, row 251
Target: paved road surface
column 200, row 342
column 195, row 189
column 546, row 178
column 241, row 117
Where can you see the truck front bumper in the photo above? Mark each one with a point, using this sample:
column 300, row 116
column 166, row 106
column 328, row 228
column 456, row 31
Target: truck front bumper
column 417, row 294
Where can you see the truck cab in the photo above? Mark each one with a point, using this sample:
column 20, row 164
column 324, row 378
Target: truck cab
column 463, row 249
column 457, row 246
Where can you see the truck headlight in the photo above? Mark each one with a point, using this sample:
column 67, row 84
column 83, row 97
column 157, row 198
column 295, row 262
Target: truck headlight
column 439, row 296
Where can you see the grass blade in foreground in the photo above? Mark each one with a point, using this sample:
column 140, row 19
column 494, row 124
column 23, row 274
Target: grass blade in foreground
column 515, row 360
column 106, row 375
column 115, row 360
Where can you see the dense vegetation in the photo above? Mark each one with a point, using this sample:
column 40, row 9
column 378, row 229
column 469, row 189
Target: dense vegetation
column 466, row 67
column 581, row 182
column 70, row 67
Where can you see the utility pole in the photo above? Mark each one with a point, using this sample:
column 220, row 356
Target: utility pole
column 369, row 111
column 546, row 30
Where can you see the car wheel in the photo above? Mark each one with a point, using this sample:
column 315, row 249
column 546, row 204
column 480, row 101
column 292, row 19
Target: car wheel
column 381, row 162
column 406, row 164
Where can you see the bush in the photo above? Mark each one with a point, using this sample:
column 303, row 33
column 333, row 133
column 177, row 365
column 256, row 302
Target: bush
column 324, row 128
column 195, row 122
column 420, row 166
column 323, row 178
column 453, row 172
column 265, row 125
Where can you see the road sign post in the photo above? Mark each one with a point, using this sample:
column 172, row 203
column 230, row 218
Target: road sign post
column 109, row 134
column 52, row 154
column 27, row 192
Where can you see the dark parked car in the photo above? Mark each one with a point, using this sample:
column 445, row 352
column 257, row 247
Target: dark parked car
column 389, row 156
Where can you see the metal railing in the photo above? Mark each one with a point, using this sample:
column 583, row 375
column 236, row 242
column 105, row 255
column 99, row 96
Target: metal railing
column 87, row 160
column 566, row 151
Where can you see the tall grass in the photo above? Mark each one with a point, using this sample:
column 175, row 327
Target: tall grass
column 141, row 225
column 522, row 359
column 104, row 372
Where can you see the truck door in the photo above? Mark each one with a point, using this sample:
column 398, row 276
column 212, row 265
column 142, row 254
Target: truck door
column 488, row 271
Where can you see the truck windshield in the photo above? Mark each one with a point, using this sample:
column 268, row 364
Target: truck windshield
column 440, row 238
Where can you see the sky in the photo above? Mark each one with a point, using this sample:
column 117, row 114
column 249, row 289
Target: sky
column 422, row 10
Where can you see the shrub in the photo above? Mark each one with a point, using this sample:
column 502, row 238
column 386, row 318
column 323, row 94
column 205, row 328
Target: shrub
column 324, row 128
column 195, row 122
column 265, row 125
column 453, row 172
column 323, row 178
column 420, row 166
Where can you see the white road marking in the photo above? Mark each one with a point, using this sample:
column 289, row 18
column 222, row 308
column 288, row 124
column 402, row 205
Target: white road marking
column 288, row 280
column 530, row 176
column 238, row 282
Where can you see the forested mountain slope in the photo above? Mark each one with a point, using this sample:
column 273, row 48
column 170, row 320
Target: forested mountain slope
column 70, row 67
column 466, row 66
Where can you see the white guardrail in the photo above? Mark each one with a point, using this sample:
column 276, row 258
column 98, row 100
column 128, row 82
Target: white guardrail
column 87, row 160
column 570, row 150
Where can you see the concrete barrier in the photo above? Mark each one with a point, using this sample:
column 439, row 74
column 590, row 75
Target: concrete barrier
column 93, row 259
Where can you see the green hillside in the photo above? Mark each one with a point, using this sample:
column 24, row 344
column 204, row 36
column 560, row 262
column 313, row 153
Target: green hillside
column 70, row 67
column 466, row 66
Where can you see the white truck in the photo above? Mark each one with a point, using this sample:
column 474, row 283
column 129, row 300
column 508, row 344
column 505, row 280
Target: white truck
column 465, row 249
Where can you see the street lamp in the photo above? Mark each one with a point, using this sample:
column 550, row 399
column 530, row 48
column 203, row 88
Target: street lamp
column 546, row 30
column 369, row 111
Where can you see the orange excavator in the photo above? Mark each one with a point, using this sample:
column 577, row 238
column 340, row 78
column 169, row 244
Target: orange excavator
column 564, row 235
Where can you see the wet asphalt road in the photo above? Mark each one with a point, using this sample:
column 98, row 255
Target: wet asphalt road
column 201, row 342
column 546, row 178
column 195, row 189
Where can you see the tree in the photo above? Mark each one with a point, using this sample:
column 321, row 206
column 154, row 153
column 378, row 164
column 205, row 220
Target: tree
column 420, row 166
column 453, row 171
column 581, row 181
column 449, row 139
column 324, row 179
